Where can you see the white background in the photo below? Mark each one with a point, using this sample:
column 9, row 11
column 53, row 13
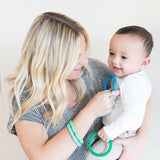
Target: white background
column 101, row 18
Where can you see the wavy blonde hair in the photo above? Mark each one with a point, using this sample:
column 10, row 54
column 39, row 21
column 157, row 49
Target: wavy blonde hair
column 49, row 53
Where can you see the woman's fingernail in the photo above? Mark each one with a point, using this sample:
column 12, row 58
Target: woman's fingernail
column 117, row 92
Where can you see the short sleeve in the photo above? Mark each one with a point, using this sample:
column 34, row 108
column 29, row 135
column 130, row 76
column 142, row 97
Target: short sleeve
column 34, row 114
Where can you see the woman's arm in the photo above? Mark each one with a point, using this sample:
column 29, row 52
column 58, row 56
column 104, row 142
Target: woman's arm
column 133, row 146
column 34, row 139
column 35, row 143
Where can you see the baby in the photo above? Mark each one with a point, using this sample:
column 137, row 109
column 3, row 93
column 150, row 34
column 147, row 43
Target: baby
column 129, row 52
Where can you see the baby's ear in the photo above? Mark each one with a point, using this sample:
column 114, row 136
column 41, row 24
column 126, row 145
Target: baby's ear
column 146, row 62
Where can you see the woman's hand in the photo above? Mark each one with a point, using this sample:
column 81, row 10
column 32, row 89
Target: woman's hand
column 132, row 147
column 102, row 103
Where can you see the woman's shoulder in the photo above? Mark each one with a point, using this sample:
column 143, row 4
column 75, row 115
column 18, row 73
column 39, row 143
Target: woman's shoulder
column 96, row 64
column 32, row 114
column 98, row 68
column 99, row 72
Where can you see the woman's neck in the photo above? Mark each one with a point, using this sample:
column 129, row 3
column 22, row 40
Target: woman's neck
column 72, row 95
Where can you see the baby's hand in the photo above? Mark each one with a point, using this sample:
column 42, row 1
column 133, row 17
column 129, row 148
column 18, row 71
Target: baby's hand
column 102, row 134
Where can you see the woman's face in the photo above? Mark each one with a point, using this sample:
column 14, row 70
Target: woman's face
column 82, row 60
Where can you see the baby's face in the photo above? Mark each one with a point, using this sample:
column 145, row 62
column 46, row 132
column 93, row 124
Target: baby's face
column 126, row 54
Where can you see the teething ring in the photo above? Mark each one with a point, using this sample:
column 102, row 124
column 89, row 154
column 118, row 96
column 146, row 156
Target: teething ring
column 98, row 154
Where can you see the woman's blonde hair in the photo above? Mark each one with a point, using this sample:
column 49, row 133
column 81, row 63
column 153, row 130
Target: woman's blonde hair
column 49, row 53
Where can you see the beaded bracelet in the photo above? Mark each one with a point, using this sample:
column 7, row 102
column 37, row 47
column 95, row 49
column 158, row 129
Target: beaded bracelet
column 73, row 136
column 75, row 132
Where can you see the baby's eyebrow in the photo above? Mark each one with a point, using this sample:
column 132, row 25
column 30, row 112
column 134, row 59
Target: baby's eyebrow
column 124, row 53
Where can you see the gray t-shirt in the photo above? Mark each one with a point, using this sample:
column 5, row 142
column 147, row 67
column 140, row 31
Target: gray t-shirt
column 100, row 72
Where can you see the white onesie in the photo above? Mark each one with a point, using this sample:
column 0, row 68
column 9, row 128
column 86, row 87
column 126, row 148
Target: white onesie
column 129, row 110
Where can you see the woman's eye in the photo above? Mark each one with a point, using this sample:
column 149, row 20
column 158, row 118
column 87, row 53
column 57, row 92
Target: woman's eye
column 123, row 57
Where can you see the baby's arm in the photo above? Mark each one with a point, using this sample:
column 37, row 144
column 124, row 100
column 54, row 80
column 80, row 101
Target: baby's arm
column 131, row 109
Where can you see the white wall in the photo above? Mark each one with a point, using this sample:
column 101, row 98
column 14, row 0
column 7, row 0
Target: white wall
column 101, row 18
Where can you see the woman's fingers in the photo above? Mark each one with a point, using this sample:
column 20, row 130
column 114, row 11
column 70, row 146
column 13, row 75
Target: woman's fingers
column 116, row 92
column 111, row 94
column 101, row 104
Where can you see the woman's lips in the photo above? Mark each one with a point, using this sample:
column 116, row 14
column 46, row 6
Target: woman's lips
column 77, row 70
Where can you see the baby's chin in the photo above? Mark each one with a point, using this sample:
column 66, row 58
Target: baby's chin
column 117, row 74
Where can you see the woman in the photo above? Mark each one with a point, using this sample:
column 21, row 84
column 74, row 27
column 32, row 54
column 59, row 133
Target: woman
column 54, row 85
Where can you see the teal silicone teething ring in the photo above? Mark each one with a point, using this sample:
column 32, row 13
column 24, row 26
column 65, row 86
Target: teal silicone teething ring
column 98, row 154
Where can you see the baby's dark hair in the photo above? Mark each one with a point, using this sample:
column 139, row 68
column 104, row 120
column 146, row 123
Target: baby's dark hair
column 140, row 32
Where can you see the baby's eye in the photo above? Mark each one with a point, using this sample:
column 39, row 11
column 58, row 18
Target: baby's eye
column 110, row 53
column 123, row 57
